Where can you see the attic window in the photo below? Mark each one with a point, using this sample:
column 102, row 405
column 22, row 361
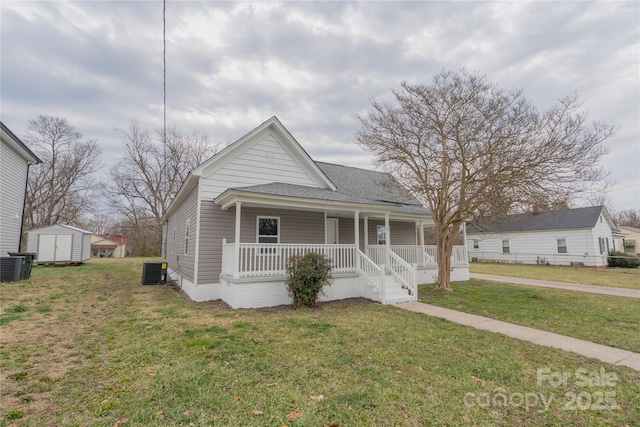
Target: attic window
column 600, row 219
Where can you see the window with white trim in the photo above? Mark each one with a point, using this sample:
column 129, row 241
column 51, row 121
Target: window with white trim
column 268, row 231
column 562, row 246
column 381, row 235
column 187, row 225
column 505, row 247
column 476, row 244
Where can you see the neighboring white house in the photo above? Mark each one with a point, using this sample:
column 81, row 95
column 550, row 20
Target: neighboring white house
column 242, row 213
column 15, row 159
column 582, row 236
column 59, row 244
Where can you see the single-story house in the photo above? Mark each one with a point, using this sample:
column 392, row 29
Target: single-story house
column 15, row 158
column 59, row 244
column 108, row 246
column 629, row 242
column 581, row 236
column 242, row 213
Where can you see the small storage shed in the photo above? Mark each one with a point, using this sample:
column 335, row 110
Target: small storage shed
column 59, row 244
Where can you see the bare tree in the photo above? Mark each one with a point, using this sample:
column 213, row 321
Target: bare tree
column 469, row 150
column 149, row 176
column 627, row 217
column 60, row 189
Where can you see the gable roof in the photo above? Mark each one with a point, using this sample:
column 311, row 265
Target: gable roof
column 545, row 220
column 18, row 145
column 239, row 146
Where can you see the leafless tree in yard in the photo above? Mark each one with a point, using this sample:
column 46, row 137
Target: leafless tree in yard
column 60, row 190
column 470, row 149
column 627, row 217
column 150, row 174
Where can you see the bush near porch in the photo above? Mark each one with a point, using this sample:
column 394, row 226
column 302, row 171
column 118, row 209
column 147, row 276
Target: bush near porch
column 90, row 346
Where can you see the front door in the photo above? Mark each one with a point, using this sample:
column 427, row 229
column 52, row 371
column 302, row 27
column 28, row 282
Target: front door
column 331, row 231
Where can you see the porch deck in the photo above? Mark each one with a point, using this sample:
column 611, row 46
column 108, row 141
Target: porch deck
column 378, row 271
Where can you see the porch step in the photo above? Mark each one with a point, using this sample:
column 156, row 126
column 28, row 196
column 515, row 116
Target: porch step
column 395, row 294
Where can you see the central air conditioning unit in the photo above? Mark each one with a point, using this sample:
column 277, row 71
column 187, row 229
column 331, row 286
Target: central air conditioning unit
column 154, row 273
column 10, row 268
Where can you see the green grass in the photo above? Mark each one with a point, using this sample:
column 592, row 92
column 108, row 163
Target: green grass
column 608, row 320
column 616, row 277
column 111, row 351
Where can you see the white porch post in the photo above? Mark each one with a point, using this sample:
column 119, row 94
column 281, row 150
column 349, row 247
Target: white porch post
column 236, row 250
column 366, row 235
column 422, row 258
column 464, row 234
column 387, row 237
column 356, row 234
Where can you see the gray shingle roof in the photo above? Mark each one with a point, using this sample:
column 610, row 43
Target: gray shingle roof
column 352, row 185
column 545, row 220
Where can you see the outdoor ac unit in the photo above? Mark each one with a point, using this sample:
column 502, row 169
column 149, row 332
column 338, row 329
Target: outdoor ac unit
column 10, row 268
column 154, row 273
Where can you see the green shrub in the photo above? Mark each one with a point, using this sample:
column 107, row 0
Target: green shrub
column 621, row 259
column 307, row 275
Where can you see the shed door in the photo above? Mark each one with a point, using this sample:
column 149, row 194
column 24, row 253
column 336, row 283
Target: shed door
column 46, row 247
column 63, row 247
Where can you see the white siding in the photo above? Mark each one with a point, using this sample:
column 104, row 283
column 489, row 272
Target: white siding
column 582, row 246
column 13, row 177
column 261, row 163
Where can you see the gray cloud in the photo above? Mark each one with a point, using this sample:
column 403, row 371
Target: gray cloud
column 313, row 64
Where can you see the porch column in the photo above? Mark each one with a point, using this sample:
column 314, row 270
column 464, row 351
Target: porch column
column 464, row 234
column 422, row 258
column 356, row 236
column 236, row 249
column 366, row 234
column 387, row 238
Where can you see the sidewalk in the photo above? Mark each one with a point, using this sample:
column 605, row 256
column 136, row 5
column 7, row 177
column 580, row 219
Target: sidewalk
column 612, row 355
column 605, row 290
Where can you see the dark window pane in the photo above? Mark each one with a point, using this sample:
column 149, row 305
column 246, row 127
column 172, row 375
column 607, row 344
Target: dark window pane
column 268, row 227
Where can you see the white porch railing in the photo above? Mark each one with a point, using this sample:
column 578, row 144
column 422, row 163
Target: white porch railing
column 414, row 254
column 372, row 274
column 270, row 259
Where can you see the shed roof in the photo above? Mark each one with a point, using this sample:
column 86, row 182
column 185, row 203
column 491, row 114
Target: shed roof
column 545, row 220
column 61, row 225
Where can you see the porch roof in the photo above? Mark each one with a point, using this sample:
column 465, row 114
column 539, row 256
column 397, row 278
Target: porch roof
column 282, row 194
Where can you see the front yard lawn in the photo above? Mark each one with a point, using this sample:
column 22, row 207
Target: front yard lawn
column 616, row 277
column 608, row 320
column 89, row 345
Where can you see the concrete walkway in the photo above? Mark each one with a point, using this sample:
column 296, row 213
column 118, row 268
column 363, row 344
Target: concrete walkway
column 612, row 355
column 604, row 290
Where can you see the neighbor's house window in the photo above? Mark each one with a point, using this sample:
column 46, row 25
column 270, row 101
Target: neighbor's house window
column 604, row 244
column 562, row 246
column 505, row 247
column 186, row 235
column 476, row 244
column 382, row 235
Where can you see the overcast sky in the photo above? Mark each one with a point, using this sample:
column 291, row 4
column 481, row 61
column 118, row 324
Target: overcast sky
column 314, row 65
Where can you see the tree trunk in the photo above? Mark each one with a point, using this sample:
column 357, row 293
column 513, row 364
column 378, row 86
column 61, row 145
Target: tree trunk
column 445, row 241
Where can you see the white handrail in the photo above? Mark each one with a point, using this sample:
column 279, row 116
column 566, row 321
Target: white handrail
column 404, row 272
column 372, row 275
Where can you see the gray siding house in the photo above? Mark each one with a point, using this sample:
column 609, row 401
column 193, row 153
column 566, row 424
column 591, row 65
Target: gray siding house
column 581, row 236
column 59, row 244
column 242, row 213
column 15, row 158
